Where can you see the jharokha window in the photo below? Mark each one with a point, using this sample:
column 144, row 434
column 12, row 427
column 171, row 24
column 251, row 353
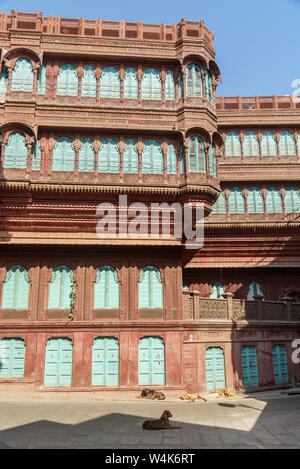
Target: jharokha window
column 150, row 288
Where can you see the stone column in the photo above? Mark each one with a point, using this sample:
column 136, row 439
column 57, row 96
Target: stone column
column 98, row 73
column 51, row 145
column 140, row 147
column 277, row 137
column 259, row 138
column 203, row 75
column 164, row 148
column 242, row 138
column 245, row 194
column 282, row 194
column 163, row 85
column 226, row 195
column 122, row 76
column 140, row 77
column 264, row 194
column 29, row 158
column 77, row 145
column 229, row 305
column 121, row 146
column 96, row 146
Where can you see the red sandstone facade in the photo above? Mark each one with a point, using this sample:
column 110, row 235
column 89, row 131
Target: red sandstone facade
column 48, row 218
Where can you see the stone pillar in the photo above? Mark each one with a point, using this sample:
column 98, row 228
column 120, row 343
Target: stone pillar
column 121, row 146
column 264, row 194
column 80, row 73
column 98, row 73
column 140, row 77
column 29, row 158
column 259, row 138
column 163, row 85
column 226, row 195
column 77, row 145
column 164, row 148
column 122, row 76
column 245, row 194
column 242, row 138
column 140, row 147
column 282, row 194
column 96, row 146
column 229, row 313
column 51, row 145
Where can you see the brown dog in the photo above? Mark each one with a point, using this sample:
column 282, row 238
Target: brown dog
column 150, row 394
column 161, row 424
column 192, row 397
column 224, row 392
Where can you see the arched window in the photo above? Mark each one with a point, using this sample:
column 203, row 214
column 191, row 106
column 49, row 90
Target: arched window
column 86, row 156
column 67, row 81
column 217, row 290
column 110, row 83
column 208, row 87
column 273, row 200
column 150, row 288
column 182, row 160
column 63, row 155
column 268, row 144
column 255, row 200
column 60, row 288
column 131, row 90
column 292, row 200
column 254, row 288
column 15, row 294
column 22, row 76
column 250, row 144
column 16, row 151
column 4, row 79
column 130, row 157
column 236, row 201
column 171, row 160
column 109, row 157
column 169, row 86
column 212, row 162
column 106, row 288
column 36, row 156
column 42, row 80
column 287, row 146
column 193, row 81
column 151, row 85
column 233, row 144
column 152, row 158
column 89, row 82
column 196, row 155
column 180, row 86
column 220, row 204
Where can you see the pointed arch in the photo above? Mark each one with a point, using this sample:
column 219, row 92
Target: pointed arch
column 110, row 83
column 16, row 151
column 109, row 156
column 193, row 81
column 150, row 288
column 61, row 287
column 131, row 84
column 152, row 158
column 63, row 155
column 22, row 76
column 151, row 85
column 15, row 294
column 130, row 157
column 67, row 81
column 89, row 82
column 106, row 288
column 86, row 156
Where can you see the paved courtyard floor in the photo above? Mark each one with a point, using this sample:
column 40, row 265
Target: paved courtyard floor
column 114, row 420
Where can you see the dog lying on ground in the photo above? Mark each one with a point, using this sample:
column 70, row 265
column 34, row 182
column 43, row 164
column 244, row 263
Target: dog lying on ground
column 192, row 397
column 150, row 394
column 161, row 424
column 224, row 392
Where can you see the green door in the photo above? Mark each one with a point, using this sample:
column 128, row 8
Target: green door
column 280, row 364
column 215, row 374
column 105, row 362
column 12, row 358
column 249, row 367
column 58, row 362
column 151, row 361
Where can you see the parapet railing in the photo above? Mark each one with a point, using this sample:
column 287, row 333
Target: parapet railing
column 198, row 308
column 106, row 29
column 229, row 103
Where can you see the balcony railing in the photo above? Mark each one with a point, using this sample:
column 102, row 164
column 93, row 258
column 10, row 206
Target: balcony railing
column 230, row 103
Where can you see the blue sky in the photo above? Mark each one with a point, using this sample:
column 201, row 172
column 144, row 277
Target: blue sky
column 257, row 43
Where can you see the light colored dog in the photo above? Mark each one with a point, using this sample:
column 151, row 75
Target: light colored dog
column 192, row 397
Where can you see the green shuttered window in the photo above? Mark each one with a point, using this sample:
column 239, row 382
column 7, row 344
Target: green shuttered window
column 273, row 200
column 152, row 158
column 130, row 157
column 268, row 144
column 63, row 155
column 180, row 86
column 250, row 144
column 60, row 288
column 233, row 144
column 249, row 367
column 292, row 200
column 4, row 79
column 67, row 81
column 193, row 81
column 287, row 144
column 105, row 362
column 169, row 86
column 280, row 367
column 196, row 155
column 42, row 80
column 22, row 76
column 12, row 357
column 255, row 200
column 16, row 152
column 171, row 160
column 208, row 87
column 215, row 370
column 151, row 357
column 36, row 156
column 150, row 288
column 151, row 85
column 254, row 288
column 86, row 156
column 217, row 290
column 212, row 162
column 89, row 82
column 58, row 362
column 110, row 83
column 109, row 157
column 131, row 90
column 15, row 294
column 220, row 204
column 106, row 288
column 236, row 201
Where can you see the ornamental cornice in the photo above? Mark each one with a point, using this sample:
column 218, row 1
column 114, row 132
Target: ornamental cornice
column 246, row 225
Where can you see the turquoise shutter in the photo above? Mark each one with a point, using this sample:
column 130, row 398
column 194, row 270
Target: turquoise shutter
column 215, row 370
column 280, row 367
column 16, row 152
column 36, row 156
column 67, row 81
column 152, row 158
column 131, row 84
column 212, row 162
column 15, row 294
column 250, row 144
column 106, row 289
column 12, row 358
column 193, row 81
column 105, row 362
column 130, row 157
column 151, row 85
column 182, row 160
column 60, row 288
column 292, row 200
column 110, row 83
column 208, row 87
column 63, row 155
column 236, row 201
column 185, row 286
column 89, row 82
column 58, row 362
column 109, row 157
column 255, row 200
column 86, row 156
column 249, row 367
column 298, row 144
column 233, row 144
column 287, row 146
column 254, row 288
column 268, row 144
column 151, row 358
column 42, row 80
column 180, row 86
column 150, row 288
column 169, row 86
column 220, row 204
column 196, row 155
column 273, row 200
column 4, row 79
column 171, row 160
column 217, row 290
column 22, row 76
